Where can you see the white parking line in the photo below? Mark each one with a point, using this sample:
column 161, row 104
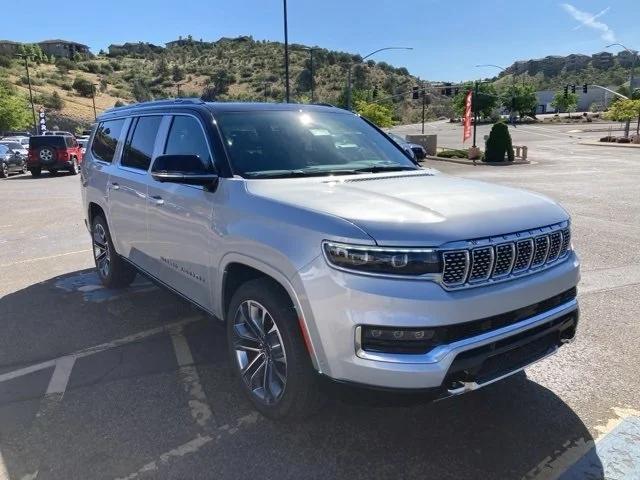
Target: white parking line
column 99, row 348
column 200, row 409
column 61, row 374
column 37, row 259
column 193, row 446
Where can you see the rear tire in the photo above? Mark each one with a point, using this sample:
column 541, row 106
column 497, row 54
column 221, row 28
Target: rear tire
column 4, row 170
column 268, row 354
column 36, row 172
column 113, row 271
column 74, row 169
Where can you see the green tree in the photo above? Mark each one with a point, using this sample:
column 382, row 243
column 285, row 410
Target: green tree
column 83, row 86
column 499, row 144
column 520, row 98
column 15, row 113
column 486, row 101
column 565, row 103
column 379, row 114
column 177, row 73
column 625, row 111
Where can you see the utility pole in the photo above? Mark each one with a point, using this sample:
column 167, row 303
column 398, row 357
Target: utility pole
column 33, row 108
column 313, row 98
column 286, row 54
column 93, row 100
column 424, row 104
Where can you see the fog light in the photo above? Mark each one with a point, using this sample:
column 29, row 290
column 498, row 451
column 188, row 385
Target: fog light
column 398, row 340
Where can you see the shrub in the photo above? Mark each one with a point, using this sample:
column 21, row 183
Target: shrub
column 64, row 65
column 499, row 144
column 608, row 138
column 623, row 140
column 5, row 62
column 52, row 101
column 83, row 86
column 453, row 153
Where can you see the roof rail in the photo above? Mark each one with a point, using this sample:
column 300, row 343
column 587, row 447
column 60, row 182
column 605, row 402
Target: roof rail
column 156, row 103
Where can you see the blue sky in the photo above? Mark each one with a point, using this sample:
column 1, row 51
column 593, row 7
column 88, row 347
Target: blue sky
column 448, row 38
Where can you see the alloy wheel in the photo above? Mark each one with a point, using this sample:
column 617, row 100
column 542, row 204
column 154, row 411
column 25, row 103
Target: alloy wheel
column 101, row 252
column 259, row 352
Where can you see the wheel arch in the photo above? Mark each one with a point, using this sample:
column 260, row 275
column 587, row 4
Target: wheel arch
column 237, row 269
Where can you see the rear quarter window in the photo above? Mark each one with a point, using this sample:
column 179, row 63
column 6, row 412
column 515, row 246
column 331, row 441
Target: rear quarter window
column 106, row 140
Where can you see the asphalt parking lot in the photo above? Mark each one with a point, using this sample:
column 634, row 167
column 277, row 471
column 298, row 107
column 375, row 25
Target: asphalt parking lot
column 135, row 384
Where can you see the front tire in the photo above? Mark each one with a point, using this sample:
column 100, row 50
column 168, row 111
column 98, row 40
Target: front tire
column 36, row 171
column 4, row 170
column 112, row 270
column 268, row 354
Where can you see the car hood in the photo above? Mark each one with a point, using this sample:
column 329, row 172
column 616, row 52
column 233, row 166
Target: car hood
column 417, row 208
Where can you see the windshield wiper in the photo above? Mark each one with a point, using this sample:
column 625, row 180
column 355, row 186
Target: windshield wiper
column 288, row 173
column 384, row 168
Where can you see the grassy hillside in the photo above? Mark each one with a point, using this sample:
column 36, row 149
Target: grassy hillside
column 229, row 69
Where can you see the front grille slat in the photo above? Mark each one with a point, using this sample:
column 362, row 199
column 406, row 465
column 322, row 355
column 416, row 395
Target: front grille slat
column 524, row 255
column 505, row 254
column 555, row 244
column 529, row 252
column 481, row 264
column 456, row 267
column 541, row 249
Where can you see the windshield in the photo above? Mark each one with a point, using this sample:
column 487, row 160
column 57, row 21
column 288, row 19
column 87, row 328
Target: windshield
column 263, row 144
column 12, row 145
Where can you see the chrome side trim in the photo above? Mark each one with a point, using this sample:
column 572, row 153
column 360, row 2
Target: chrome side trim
column 441, row 351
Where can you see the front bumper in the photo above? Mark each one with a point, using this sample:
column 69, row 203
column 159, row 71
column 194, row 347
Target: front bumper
column 336, row 304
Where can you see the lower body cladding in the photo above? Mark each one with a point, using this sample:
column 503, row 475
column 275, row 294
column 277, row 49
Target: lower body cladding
column 414, row 335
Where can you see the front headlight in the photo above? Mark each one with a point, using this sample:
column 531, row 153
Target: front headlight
column 382, row 260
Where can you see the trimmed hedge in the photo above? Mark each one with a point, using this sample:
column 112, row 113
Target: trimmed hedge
column 499, row 144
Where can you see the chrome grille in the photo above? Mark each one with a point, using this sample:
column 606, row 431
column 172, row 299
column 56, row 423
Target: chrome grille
column 524, row 254
column 527, row 252
column 456, row 267
column 481, row 264
column 566, row 242
column 555, row 242
column 505, row 254
column 540, row 251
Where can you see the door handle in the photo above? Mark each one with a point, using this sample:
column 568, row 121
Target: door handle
column 157, row 199
column 115, row 186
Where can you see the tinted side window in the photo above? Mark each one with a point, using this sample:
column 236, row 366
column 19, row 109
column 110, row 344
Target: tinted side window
column 3, row 149
column 106, row 139
column 139, row 146
column 187, row 138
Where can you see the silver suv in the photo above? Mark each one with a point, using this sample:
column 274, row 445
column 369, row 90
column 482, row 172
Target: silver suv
column 327, row 252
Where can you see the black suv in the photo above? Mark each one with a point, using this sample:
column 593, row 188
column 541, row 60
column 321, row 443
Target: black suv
column 53, row 153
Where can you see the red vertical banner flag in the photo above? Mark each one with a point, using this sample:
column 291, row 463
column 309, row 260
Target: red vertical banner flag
column 466, row 122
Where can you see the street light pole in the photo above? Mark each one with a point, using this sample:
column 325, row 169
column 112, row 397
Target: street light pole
column 33, row 108
column 364, row 58
column 93, row 99
column 286, row 54
column 424, row 104
column 633, row 66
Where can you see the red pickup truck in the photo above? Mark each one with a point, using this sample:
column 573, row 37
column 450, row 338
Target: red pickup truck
column 54, row 153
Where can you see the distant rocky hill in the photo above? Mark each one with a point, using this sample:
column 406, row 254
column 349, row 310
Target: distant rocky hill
column 554, row 71
column 239, row 68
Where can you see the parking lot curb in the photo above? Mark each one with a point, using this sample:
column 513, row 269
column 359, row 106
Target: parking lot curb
column 611, row 144
column 461, row 161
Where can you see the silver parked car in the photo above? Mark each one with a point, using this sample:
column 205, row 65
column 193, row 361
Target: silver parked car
column 329, row 254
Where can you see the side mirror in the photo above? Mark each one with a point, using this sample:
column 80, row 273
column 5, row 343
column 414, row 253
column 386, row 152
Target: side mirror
column 185, row 169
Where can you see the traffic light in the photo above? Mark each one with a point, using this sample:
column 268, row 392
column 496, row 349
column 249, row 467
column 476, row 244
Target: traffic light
column 584, row 88
column 447, row 91
column 456, row 91
column 566, row 90
column 573, row 89
column 416, row 93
